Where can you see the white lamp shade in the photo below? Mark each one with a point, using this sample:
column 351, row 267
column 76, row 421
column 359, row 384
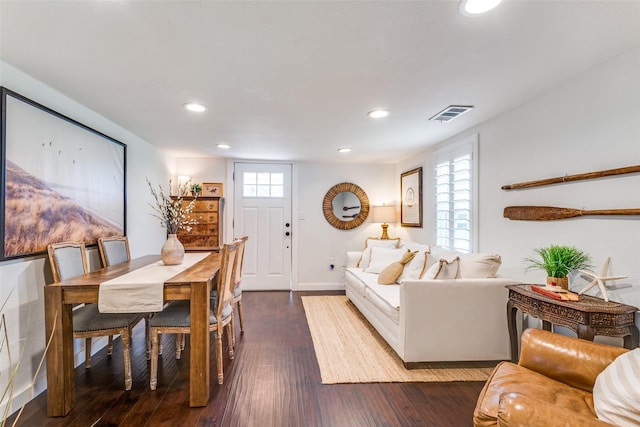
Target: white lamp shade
column 384, row 213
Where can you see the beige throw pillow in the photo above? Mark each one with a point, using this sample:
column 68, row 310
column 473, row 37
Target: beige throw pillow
column 443, row 269
column 391, row 273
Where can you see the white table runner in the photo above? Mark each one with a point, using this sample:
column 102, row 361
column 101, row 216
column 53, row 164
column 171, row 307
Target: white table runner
column 142, row 290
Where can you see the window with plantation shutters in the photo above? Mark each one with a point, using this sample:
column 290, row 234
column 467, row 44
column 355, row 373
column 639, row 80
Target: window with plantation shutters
column 455, row 181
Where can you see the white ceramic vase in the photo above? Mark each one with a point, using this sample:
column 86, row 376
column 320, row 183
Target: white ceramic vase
column 172, row 252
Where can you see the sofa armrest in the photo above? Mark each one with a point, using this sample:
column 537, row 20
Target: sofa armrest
column 573, row 361
column 517, row 410
column 465, row 317
column 353, row 257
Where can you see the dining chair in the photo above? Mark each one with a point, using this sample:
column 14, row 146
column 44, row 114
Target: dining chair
column 175, row 318
column 237, row 277
column 115, row 250
column 69, row 259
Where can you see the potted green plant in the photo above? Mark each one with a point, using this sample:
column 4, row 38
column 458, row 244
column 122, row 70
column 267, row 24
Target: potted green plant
column 196, row 189
column 558, row 261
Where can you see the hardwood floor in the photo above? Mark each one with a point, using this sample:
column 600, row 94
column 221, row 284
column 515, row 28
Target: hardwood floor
column 274, row 380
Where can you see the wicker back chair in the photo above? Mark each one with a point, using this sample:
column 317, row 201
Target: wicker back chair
column 175, row 318
column 69, row 259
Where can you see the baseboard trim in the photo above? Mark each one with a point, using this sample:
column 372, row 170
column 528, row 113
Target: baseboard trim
column 319, row 287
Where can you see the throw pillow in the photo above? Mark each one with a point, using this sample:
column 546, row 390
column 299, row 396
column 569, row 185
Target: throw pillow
column 479, row 266
column 370, row 243
column 393, row 270
column 616, row 393
column 415, row 268
column 382, row 257
column 443, row 269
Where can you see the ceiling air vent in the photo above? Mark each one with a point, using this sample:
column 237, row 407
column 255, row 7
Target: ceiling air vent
column 451, row 112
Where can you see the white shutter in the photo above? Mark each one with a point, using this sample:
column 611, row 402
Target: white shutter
column 454, row 178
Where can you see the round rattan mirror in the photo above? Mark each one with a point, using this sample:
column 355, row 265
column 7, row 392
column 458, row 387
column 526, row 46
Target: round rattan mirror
column 345, row 206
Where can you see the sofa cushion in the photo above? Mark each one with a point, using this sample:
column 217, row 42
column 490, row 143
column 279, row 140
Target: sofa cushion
column 370, row 243
column 381, row 257
column 616, row 392
column 479, row 266
column 393, row 270
column 443, row 269
column 511, row 378
column 356, row 280
column 385, row 298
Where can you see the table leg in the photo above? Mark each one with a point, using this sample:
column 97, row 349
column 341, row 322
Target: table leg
column 199, row 376
column 631, row 340
column 61, row 384
column 585, row 332
column 513, row 331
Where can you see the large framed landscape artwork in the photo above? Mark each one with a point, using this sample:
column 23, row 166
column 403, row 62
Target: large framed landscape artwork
column 61, row 180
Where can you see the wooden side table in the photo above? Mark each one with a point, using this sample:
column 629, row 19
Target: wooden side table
column 588, row 317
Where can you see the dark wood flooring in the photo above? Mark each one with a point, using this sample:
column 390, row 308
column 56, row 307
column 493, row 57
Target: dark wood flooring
column 274, row 380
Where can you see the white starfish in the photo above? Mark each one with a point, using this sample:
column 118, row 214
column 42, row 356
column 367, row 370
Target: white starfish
column 599, row 279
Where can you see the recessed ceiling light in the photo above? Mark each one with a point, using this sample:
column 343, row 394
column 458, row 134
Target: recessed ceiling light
column 192, row 106
column 477, row 7
column 344, row 150
column 378, row 114
column 224, row 146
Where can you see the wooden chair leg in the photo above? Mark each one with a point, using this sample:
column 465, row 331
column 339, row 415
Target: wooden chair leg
column 230, row 339
column 87, row 353
column 153, row 375
column 109, row 345
column 233, row 335
column 125, row 336
column 219, row 355
column 147, row 335
column 239, row 305
column 179, row 338
column 159, row 343
column 183, row 341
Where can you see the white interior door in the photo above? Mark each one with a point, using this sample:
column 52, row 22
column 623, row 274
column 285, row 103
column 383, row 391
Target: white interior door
column 262, row 211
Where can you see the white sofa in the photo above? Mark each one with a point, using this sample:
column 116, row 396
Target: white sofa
column 435, row 320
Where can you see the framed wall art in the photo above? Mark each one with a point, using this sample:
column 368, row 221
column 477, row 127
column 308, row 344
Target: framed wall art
column 212, row 189
column 61, row 180
column 411, row 197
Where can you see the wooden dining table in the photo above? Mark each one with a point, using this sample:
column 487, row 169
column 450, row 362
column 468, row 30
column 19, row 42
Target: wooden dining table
column 193, row 284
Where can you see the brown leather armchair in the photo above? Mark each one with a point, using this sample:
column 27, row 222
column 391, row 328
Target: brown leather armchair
column 551, row 385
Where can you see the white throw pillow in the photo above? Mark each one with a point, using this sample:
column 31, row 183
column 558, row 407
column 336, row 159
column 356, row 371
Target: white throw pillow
column 479, row 266
column 370, row 243
column 381, row 257
column 616, row 393
column 415, row 268
column 443, row 269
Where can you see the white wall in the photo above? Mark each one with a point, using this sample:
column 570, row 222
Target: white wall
column 588, row 123
column 318, row 242
column 22, row 281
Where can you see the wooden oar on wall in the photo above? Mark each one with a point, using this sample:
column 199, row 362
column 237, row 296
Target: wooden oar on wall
column 576, row 177
column 550, row 213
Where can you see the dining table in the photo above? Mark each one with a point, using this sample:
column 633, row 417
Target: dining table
column 193, row 284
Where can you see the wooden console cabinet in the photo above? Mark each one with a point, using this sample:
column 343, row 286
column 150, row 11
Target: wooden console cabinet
column 207, row 234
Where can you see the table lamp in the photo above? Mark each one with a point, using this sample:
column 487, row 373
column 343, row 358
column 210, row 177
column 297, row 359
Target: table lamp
column 384, row 214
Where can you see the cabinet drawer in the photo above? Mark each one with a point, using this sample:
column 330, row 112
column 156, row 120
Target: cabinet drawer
column 199, row 241
column 200, row 229
column 205, row 205
column 204, row 217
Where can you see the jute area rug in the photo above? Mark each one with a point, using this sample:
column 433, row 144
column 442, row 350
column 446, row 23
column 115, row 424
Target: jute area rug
column 350, row 350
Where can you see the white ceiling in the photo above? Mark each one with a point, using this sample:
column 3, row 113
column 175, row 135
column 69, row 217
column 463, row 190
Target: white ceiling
column 293, row 80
